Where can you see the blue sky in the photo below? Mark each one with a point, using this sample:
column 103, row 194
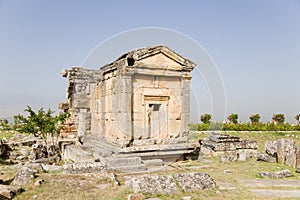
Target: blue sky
column 254, row 44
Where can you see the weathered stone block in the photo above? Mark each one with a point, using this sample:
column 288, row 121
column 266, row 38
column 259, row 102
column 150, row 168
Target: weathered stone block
column 190, row 182
column 153, row 184
column 24, row 176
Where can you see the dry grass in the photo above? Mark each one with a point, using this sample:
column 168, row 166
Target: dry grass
column 73, row 187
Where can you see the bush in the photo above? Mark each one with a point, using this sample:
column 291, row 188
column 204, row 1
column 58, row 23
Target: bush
column 278, row 118
column 205, row 118
column 233, row 118
column 254, row 118
column 41, row 123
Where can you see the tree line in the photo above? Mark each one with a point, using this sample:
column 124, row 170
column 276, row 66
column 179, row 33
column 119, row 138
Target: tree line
column 231, row 124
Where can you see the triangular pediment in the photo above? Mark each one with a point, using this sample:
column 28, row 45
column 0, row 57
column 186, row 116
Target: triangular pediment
column 158, row 56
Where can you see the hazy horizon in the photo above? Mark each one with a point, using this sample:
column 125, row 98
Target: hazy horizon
column 254, row 46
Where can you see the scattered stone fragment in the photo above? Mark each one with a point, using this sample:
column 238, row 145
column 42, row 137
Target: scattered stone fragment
column 9, row 191
column 279, row 174
column 187, row 198
column 24, row 176
column 266, row 158
column 137, row 196
column 153, row 184
column 195, row 181
column 227, row 171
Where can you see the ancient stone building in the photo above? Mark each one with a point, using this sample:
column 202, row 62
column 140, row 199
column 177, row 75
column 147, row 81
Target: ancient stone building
column 141, row 97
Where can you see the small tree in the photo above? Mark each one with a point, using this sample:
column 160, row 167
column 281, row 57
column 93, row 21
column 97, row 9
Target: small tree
column 40, row 123
column 205, row 118
column 278, row 118
column 233, row 118
column 254, row 118
column 297, row 117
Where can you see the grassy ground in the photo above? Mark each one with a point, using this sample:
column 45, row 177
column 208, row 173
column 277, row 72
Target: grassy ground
column 73, row 187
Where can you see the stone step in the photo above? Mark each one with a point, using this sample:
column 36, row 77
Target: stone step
column 130, row 168
column 153, row 162
column 123, row 161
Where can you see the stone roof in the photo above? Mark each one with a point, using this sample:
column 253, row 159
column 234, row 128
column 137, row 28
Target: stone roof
column 138, row 54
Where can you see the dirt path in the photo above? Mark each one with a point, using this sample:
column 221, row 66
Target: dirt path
column 291, row 188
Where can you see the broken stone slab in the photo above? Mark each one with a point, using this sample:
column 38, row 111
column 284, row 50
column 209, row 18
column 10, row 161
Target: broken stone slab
column 226, row 146
column 84, row 167
column 24, row 176
column 190, row 182
column 266, row 158
column 271, row 148
column 279, row 174
column 229, row 157
column 162, row 184
column 9, row 191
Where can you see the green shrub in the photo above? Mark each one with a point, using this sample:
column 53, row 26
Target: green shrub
column 40, row 123
column 205, row 118
column 233, row 118
column 254, row 118
column 278, row 118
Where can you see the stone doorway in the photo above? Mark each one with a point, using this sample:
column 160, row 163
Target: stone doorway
column 156, row 125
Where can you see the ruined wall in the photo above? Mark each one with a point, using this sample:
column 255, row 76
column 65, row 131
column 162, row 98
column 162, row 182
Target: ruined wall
column 81, row 84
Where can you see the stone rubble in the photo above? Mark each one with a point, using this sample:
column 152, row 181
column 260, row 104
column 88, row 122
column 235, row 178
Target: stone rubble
column 266, row 158
column 166, row 184
column 231, row 147
column 283, row 151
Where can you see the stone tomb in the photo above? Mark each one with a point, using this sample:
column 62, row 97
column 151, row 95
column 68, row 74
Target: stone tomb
column 140, row 104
